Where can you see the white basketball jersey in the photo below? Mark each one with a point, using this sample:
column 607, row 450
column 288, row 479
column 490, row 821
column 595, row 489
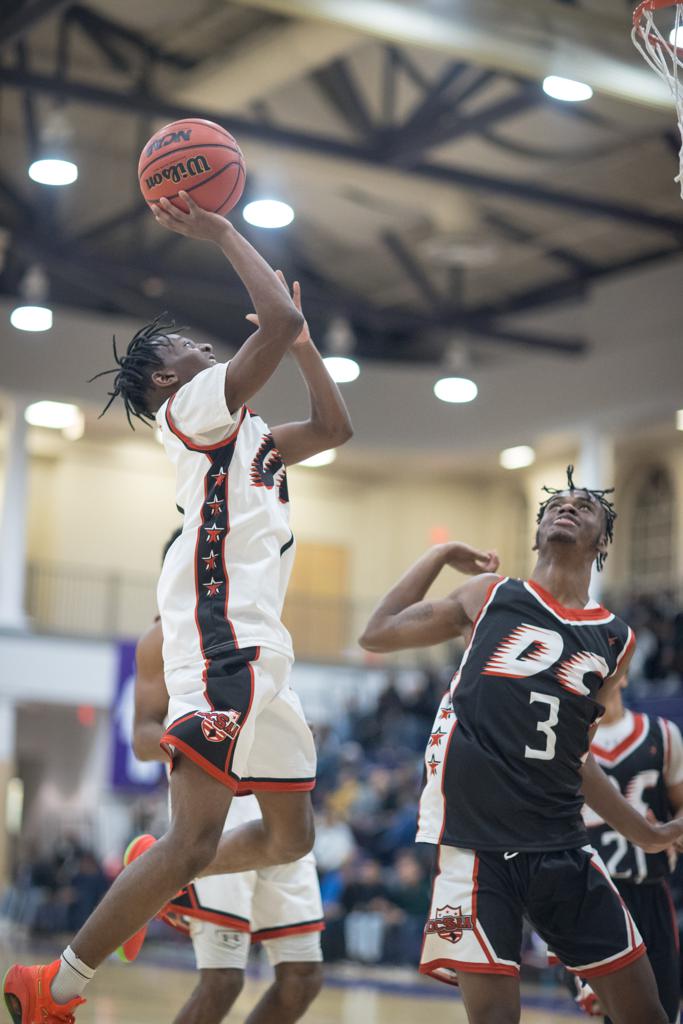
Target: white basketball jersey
column 224, row 579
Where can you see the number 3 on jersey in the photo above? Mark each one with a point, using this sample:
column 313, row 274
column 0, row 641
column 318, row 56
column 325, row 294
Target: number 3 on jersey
column 530, row 650
column 546, row 727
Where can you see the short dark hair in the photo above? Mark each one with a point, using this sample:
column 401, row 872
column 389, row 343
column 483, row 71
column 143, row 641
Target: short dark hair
column 171, row 540
column 134, row 369
column 599, row 496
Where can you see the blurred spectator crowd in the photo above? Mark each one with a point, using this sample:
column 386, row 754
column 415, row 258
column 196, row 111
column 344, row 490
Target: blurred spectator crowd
column 375, row 880
column 57, row 890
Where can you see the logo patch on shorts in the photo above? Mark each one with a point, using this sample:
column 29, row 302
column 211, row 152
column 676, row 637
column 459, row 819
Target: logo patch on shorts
column 450, row 923
column 219, row 725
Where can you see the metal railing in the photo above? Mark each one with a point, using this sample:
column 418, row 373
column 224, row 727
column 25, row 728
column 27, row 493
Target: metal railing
column 82, row 601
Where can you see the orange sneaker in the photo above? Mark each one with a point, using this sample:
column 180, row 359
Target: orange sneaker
column 130, row 949
column 28, row 997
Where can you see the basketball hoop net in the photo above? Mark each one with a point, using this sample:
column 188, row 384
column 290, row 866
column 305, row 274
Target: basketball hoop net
column 663, row 54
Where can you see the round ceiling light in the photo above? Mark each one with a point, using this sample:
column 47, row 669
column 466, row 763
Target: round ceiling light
column 566, row 89
column 268, row 213
column 517, row 458
column 341, row 369
column 53, row 172
column 456, row 389
column 31, row 318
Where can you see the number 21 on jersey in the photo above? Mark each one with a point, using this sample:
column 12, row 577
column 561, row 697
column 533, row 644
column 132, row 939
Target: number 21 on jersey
column 529, row 650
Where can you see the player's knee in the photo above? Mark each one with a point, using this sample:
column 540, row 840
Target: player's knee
column 297, row 985
column 289, row 848
column 220, row 987
column 495, row 1015
column 192, row 849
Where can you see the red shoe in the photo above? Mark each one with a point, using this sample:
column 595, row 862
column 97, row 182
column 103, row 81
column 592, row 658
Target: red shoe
column 130, row 949
column 28, row 997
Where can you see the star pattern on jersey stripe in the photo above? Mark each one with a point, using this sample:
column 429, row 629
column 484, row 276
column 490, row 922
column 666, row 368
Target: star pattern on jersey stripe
column 446, row 714
column 213, row 587
column 210, row 561
column 215, row 505
column 213, row 533
column 219, row 477
column 436, row 737
column 433, row 765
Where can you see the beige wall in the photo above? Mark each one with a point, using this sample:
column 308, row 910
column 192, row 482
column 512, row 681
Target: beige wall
column 110, row 506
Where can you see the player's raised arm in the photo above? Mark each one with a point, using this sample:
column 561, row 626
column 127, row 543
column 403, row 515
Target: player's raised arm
column 606, row 800
column 328, row 424
column 404, row 619
column 151, row 697
column 280, row 322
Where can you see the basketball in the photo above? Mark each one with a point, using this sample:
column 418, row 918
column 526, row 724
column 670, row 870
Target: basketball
column 195, row 156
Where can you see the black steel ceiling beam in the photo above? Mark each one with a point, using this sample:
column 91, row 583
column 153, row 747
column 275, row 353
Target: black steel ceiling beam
column 456, row 126
column 514, row 233
column 412, row 269
column 433, row 101
column 338, row 86
column 105, row 227
column 528, row 339
column 137, row 102
column 15, row 27
column 110, row 29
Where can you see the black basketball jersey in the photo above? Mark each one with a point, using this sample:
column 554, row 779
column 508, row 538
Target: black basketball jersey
column 638, row 765
column 503, row 763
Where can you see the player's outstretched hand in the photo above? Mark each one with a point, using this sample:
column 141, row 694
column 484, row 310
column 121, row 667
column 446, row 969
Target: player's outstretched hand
column 668, row 834
column 197, row 223
column 305, row 335
column 470, row 561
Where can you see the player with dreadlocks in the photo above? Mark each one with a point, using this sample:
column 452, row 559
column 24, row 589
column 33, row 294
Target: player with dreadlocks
column 234, row 722
column 508, row 766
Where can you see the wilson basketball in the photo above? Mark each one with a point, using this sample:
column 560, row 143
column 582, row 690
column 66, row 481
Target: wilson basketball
column 194, row 156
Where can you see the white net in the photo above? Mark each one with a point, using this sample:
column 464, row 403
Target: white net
column 663, row 52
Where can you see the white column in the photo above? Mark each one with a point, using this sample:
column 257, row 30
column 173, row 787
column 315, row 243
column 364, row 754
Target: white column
column 13, row 520
column 596, row 470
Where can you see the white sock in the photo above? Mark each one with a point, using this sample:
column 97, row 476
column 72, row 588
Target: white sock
column 71, row 978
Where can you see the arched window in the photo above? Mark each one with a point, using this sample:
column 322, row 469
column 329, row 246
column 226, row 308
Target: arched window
column 653, row 562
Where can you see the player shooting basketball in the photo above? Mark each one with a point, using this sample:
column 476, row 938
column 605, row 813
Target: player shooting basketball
column 233, row 718
column 508, row 766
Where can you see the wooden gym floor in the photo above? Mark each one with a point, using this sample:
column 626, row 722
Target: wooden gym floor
column 152, row 991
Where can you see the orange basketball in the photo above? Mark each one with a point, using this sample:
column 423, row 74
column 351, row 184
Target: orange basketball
column 194, row 156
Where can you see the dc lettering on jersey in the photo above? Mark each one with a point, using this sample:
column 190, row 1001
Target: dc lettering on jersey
column 268, row 469
column 219, row 725
column 529, row 650
column 449, row 923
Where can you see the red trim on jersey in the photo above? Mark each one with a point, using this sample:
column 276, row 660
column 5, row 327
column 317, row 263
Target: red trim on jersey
column 574, row 614
column 224, row 541
column 237, row 924
column 443, row 777
column 284, row 786
column 475, row 929
column 628, row 957
column 635, row 735
column 192, row 445
column 295, row 929
column 431, row 968
column 487, row 598
column 205, row 765
column 437, row 872
column 610, row 968
column 626, row 650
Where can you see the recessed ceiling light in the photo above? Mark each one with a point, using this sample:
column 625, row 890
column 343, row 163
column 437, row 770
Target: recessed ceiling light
column 456, row 389
column 268, row 213
column 341, row 369
column 321, row 459
column 566, row 89
column 31, row 318
column 676, row 37
column 517, row 458
column 53, row 172
column 679, row 420
column 53, row 415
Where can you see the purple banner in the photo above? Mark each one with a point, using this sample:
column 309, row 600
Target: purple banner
column 126, row 771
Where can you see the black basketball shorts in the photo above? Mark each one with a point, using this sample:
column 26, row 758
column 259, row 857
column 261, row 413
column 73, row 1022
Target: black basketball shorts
column 479, row 901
